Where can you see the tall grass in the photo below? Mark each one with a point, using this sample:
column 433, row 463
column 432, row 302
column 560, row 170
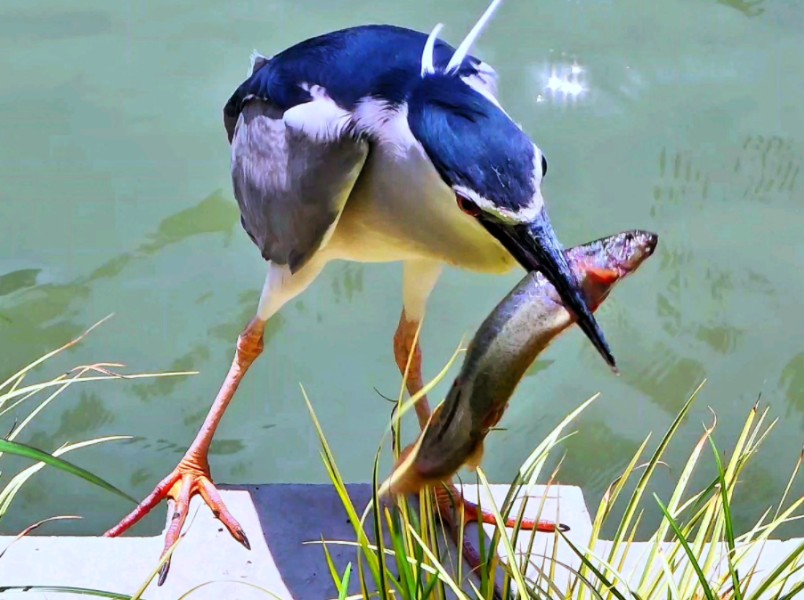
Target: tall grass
column 694, row 553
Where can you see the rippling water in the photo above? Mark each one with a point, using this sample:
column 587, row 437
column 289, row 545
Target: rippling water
column 683, row 117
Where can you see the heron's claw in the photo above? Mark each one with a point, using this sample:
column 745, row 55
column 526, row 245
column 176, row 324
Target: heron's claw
column 451, row 502
column 471, row 514
column 178, row 488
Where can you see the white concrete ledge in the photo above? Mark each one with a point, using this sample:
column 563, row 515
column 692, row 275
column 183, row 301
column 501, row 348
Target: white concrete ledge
column 279, row 520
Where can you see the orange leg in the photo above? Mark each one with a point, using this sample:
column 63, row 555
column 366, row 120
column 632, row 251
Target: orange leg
column 450, row 500
column 192, row 475
column 403, row 344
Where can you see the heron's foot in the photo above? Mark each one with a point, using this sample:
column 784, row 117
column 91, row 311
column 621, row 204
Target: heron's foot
column 190, row 477
column 451, row 504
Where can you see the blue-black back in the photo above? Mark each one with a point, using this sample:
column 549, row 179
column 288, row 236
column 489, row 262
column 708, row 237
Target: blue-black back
column 471, row 141
column 380, row 61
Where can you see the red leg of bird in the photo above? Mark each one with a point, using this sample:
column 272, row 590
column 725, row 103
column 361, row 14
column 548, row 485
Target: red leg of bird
column 192, row 475
column 403, row 344
column 450, row 500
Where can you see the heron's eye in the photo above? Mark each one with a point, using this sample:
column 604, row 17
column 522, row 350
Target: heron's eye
column 467, row 206
column 544, row 166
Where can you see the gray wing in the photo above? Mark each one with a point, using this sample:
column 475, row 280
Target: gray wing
column 293, row 173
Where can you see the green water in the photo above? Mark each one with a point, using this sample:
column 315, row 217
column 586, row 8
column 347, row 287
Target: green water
column 115, row 197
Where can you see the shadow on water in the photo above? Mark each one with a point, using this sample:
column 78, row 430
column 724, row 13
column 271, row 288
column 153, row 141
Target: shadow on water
column 87, row 414
column 35, row 315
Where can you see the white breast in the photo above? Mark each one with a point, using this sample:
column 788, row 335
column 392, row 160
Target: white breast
column 401, row 209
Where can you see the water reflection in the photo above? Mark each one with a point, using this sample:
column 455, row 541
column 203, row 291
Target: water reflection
column 88, row 413
column 164, row 387
column 36, row 315
column 698, row 301
column 792, row 382
column 768, row 167
column 349, row 281
column 18, row 280
column 692, row 126
column 750, row 8
column 595, row 469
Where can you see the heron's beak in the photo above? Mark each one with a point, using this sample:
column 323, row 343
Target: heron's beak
column 535, row 246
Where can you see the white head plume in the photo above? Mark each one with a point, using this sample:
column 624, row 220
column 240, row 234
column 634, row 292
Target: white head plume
column 428, row 63
column 471, row 38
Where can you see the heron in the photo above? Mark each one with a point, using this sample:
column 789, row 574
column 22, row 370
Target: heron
column 374, row 144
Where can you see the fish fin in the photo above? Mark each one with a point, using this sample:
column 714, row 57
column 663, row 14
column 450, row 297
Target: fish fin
column 603, row 276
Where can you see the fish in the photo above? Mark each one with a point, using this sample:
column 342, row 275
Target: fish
column 508, row 341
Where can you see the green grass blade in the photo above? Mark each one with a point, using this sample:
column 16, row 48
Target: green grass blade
column 344, row 586
column 710, row 595
column 15, row 484
column 65, row 383
column 792, row 594
column 60, row 381
column 778, row 572
column 625, row 523
column 513, row 568
column 790, row 481
column 61, row 464
column 378, row 531
column 728, row 524
column 340, row 488
column 604, row 509
column 674, row 507
column 611, row 587
column 333, row 571
column 669, row 577
column 22, row 372
column 408, row 581
column 442, row 572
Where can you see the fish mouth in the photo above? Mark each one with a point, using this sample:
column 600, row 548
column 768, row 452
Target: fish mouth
column 535, row 246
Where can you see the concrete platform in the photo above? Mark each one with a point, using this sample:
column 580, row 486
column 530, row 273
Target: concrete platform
column 280, row 561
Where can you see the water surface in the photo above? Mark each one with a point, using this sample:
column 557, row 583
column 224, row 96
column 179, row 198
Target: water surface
column 115, row 197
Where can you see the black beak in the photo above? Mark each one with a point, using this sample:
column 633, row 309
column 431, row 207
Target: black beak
column 536, row 248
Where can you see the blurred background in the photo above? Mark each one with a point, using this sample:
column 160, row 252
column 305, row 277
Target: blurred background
column 684, row 117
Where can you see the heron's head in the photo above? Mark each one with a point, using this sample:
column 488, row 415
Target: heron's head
column 495, row 172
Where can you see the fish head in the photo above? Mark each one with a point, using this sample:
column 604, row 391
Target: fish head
column 601, row 264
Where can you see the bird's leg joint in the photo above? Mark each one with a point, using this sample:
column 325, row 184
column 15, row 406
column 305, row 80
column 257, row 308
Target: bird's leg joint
column 250, row 343
column 403, row 343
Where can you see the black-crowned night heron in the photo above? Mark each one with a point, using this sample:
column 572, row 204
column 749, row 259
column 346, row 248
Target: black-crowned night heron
column 374, row 144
